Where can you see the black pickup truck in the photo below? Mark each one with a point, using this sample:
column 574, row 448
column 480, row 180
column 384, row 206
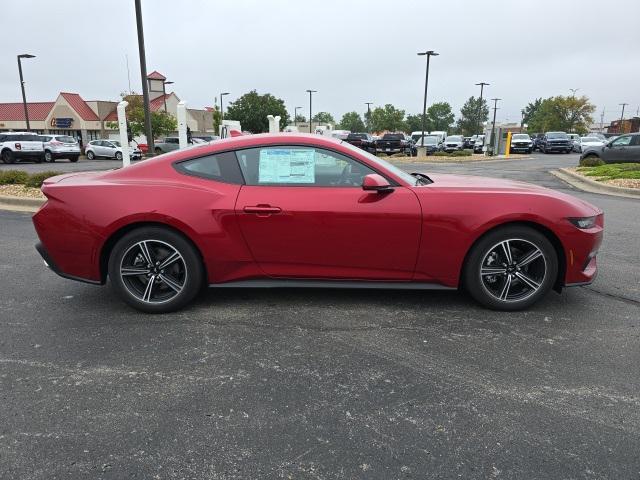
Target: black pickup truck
column 555, row 142
column 362, row 140
column 391, row 143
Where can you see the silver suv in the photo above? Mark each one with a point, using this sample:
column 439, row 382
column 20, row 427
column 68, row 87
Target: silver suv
column 60, row 146
column 20, row 146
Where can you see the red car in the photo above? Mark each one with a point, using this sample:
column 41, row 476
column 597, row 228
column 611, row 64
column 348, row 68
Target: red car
column 304, row 210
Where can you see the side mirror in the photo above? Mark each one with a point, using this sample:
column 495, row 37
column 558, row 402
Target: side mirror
column 376, row 183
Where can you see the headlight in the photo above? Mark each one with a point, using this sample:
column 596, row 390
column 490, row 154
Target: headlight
column 583, row 223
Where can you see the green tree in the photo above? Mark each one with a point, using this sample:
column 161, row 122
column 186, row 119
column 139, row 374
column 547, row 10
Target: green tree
column 324, row 118
column 387, row 118
column 414, row 123
column 567, row 114
column 251, row 110
column 440, row 117
column 217, row 119
column 352, row 121
column 472, row 114
column 301, row 118
column 162, row 123
column 530, row 110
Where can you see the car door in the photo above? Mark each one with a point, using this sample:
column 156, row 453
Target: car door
column 303, row 214
column 99, row 148
column 109, row 149
column 634, row 149
column 619, row 150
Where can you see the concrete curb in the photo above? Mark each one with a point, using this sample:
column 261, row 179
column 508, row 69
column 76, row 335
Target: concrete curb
column 586, row 184
column 20, row 204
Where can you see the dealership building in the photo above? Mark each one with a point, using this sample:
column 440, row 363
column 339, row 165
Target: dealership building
column 88, row 120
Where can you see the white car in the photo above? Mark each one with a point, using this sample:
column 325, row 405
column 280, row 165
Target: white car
column 109, row 149
column 586, row 142
column 60, row 146
column 21, row 145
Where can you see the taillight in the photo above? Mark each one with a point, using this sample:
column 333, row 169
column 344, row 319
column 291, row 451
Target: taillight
column 18, row 146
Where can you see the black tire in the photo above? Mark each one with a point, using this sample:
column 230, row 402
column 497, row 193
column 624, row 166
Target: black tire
column 119, row 156
column 48, row 156
column 158, row 151
column 188, row 270
column 542, row 271
column 8, row 157
column 91, row 155
column 73, row 159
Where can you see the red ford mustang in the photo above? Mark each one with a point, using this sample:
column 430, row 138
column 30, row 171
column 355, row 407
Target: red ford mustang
column 301, row 210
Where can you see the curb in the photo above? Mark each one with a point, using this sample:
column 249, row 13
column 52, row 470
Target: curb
column 8, row 202
column 592, row 186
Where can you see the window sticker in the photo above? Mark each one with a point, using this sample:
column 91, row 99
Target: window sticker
column 285, row 165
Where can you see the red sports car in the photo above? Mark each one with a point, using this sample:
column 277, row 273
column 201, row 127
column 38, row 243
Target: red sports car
column 304, row 210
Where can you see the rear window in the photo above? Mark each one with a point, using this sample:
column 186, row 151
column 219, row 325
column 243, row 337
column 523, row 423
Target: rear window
column 222, row 167
column 393, row 136
column 66, row 139
column 557, row 135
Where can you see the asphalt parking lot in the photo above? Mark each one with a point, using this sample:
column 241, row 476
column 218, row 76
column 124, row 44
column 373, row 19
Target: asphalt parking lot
column 322, row 383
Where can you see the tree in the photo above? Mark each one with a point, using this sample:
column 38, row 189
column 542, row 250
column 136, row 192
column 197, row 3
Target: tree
column 387, row 118
column 566, row 114
column 352, row 121
column 251, row 110
column 472, row 114
column 324, row 118
column 217, row 119
column 162, row 123
column 414, row 123
column 301, row 119
column 440, row 117
column 530, row 110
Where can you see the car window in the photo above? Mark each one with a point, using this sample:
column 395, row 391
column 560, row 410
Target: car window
column 635, row 140
column 622, row 141
column 300, row 166
column 66, row 139
column 222, row 167
column 171, row 140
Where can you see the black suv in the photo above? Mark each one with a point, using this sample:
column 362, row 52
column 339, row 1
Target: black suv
column 555, row 142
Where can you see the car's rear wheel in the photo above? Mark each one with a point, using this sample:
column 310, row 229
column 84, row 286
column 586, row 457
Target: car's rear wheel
column 511, row 268
column 7, row 156
column 158, row 151
column 119, row 156
column 73, row 159
column 91, row 155
column 155, row 270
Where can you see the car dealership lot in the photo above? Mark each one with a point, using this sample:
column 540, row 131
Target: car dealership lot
column 322, row 383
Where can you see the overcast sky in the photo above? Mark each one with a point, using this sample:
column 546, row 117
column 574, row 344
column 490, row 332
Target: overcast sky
column 350, row 51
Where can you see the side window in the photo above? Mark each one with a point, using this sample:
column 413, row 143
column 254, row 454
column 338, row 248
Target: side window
column 172, row 140
column 635, row 140
column 300, row 166
column 222, row 167
column 622, row 141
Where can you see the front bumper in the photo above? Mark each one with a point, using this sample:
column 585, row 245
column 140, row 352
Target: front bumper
column 581, row 249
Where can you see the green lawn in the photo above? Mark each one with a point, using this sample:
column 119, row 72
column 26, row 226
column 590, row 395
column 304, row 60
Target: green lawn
column 612, row 171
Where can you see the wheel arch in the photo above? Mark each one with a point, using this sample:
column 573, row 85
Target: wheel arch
column 108, row 245
column 546, row 231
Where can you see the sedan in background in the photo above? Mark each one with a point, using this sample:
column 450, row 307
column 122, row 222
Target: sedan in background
column 586, row 142
column 362, row 140
column 292, row 210
column 109, row 149
column 431, row 143
column 622, row 149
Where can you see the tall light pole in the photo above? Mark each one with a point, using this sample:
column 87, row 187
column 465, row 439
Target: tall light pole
column 429, row 54
column 24, row 96
column 311, row 92
column 622, row 117
column 164, row 93
column 295, row 115
column 222, row 107
column 573, row 91
column 481, row 85
column 493, row 126
column 368, row 104
column 143, row 74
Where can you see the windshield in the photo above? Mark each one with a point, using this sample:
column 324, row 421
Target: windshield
column 590, row 139
column 521, row 136
column 454, row 138
column 357, row 136
column 66, row 139
column 393, row 136
column 410, row 179
column 428, row 140
column 115, row 142
column 560, row 135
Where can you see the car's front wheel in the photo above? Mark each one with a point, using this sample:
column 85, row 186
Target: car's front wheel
column 155, row 270
column 48, row 156
column 511, row 268
column 91, row 155
column 119, row 156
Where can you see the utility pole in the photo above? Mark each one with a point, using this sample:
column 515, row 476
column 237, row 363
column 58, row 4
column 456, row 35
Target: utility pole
column 493, row 126
column 222, row 106
column 368, row 116
column 311, row 92
column 482, row 85
column 622, row 117
column 145, row 86
column 428, row 54
column 602, row 120
column 24, row 96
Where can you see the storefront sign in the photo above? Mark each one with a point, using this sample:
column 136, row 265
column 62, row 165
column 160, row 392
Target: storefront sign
column 61, row 122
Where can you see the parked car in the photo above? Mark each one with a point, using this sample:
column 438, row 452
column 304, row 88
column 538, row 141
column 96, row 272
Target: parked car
column 623, row 149
column 453, row 143
column 234, row 214
column 391, row 143
column 60, row 146
column 362, row 140
column 109, row 149
column 537, row 138
column 18, row 146
column 439, row 133
column 586, row 142
column 207, row 138
column 169, row 144
column 430, row 142
column 468, row 142
column 555, row 142
column 478, row 145
column 521, row 142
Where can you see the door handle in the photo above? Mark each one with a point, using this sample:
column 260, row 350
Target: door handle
column 262, row 209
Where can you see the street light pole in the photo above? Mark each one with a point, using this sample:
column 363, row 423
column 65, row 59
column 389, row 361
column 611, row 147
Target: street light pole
column 493, row 126
column 24, row 96
column 622, row 117
column 164, row 93
column 368, row 116
column 429, row 54
column 143, row 74
column 482, row 85
column 295, row 116
column 311, row 92
column 222, row 107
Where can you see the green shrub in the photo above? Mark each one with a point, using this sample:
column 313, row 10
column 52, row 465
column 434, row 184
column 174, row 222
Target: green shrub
column 591, row 161
column 13, row 177
column 441, row 154
column 37, row 179
column 461, row 153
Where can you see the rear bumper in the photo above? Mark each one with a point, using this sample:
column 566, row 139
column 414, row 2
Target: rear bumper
column 67, row 154
column 48, row 261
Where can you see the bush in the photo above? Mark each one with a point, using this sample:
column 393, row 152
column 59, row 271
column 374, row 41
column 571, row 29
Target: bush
column 13, row 177
column 461, row 153
column 591, row 161
column 37, row 179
